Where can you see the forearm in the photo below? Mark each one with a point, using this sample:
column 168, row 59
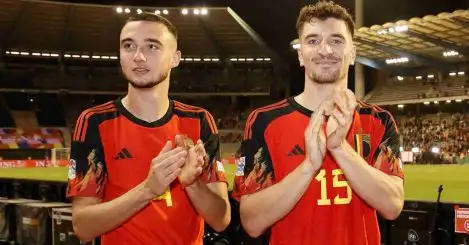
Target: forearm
column 214, row 208
column 92, row 221
column 261, row 210
column 380, row 190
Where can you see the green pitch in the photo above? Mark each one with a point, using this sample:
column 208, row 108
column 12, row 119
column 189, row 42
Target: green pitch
column 421, row 181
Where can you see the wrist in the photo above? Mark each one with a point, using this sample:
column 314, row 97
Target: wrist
column 195, row 185
column 342, row 148
column 307, row 168
column 146, row 193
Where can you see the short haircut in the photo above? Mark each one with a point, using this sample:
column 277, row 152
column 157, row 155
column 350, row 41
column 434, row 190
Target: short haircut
column 323, row 10
column 147, row 16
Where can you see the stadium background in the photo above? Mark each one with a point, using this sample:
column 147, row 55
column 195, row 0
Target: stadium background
column 60, row 58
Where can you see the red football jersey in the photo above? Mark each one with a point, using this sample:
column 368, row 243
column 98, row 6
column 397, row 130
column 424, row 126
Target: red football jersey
column 329, row 212
column 111, row 153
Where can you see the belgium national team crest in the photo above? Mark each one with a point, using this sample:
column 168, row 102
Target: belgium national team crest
column 362, row 144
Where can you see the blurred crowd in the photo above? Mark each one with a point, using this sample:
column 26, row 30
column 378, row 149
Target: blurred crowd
column 437, row 137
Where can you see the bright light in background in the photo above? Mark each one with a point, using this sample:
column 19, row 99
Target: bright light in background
column 450, row 53
column 165, row 11
column 435, row 150
column 418, row 77
column 139, row 11
column 401, row 148
column 400, row 106
column 448, row 101
column 393, row 30
column 436, row 102
column 459, row 100
column 461, row 73
column 401, row 28
column 185, row 11
column 400, row 78
column 295, row 44
column 119, row 10
column 204, row 11
column 157, row 12
column 415, row 150
column 431, row 76
column 127, row 10
column 196, row 11
column 426, row 103
column 397, row 60
column 452, row 74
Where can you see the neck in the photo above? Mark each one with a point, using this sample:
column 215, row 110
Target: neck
column 148, row 104
column 314, row 93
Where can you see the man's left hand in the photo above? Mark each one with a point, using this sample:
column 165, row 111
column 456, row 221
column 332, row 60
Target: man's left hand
column 194, row 164
column 341, row 118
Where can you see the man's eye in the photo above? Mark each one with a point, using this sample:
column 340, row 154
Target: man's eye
column 313, row 41
column 127, row 45
column 337, row 41
column 153, row 46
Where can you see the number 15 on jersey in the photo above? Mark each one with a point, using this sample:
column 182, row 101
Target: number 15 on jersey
column 322, row 177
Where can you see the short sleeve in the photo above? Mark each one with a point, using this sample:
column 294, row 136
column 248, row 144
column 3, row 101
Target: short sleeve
column 386, row 157
column 214, row 170
column 87, row 173
column 254, row 165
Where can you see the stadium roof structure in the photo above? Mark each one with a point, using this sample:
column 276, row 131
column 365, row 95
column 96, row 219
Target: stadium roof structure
column 406, row 46
column 434, row 41
column 84, row 31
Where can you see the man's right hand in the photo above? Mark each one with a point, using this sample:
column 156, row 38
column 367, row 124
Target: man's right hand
column 165, row 168
column 315, row 138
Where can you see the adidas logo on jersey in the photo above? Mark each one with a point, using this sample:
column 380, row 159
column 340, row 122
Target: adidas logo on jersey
column 123, row 154
column 296, row 151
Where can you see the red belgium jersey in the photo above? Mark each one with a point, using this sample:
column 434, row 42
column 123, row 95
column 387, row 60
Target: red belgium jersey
column 329, row 212
column 111, row 153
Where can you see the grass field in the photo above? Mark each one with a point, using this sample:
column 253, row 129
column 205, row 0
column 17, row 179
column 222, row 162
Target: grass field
column 421, row 181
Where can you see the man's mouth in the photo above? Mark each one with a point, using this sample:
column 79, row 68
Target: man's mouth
column 327, row 62
column 140, row 69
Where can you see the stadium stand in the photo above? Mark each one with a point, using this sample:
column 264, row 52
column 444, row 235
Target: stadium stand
column 410, row 88
column 447, row 135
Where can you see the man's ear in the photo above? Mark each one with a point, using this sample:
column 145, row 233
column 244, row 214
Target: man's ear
column 176, row 59
column 353, row 55
column 300, row 57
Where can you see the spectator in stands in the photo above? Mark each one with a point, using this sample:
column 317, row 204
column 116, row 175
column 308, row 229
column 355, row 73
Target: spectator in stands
column 121, row 186
column 450, row 134
column 284, row 177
